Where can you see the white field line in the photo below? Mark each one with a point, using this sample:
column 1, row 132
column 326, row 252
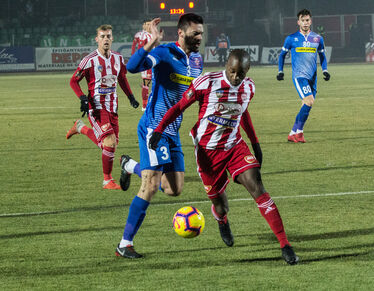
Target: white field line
column 207, row 201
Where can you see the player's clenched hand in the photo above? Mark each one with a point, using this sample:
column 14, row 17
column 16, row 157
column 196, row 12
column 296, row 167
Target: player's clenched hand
column 326, row 76
column 153, row 141
column 133, row 101
column 280, row 76
column 84, row 104
column 258, row 152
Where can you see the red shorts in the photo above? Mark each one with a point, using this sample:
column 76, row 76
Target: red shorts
column 212, row 166
column 103, row 123
column 147, row 74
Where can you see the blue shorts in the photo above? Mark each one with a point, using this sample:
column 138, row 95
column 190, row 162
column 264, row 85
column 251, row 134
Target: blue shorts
column 168, row 157
column 305, row 87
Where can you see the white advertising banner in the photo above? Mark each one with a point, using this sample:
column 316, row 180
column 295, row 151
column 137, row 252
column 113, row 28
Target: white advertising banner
column 270, row 55
column 211, row 56
column 60, row 58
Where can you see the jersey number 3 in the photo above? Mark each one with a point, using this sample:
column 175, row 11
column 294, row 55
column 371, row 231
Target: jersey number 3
column 165, row 154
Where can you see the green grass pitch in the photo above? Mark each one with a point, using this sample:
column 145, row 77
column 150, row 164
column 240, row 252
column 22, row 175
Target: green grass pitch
column 59, row 229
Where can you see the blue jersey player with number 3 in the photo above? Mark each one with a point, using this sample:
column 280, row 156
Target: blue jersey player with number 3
column 304, row 46
column 174, row 66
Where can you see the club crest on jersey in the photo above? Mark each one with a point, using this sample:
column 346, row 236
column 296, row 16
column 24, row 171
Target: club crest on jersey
column 207, row 188
column 197, row 62
column 100, row 68
column 105, row 127
column 219, row 93
column 315, row 39
column 250, row 159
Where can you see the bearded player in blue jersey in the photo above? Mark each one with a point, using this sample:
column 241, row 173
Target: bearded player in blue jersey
column 304, row 46
column 174, row 66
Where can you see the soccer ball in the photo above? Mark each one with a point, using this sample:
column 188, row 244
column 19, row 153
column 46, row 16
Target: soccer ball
column 188, row 222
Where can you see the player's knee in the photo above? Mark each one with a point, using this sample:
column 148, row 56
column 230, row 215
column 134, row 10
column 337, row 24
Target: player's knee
column 110, row 141
column 309, row 100
column 173, row 191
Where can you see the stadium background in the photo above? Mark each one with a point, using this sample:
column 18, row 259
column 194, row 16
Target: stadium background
column 28, row 28
column 59, row 229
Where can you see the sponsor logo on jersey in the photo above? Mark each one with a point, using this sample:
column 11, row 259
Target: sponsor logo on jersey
column 108, row 80
column 105, row 127
column 305, row 49
column 228, row 108
column 181, row 79
column 100, row 68
column 250, row 159
column 221, row 121
column 106, row 90
column 207, row 188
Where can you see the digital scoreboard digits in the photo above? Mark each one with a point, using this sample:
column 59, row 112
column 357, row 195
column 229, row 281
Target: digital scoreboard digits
column 175, row 7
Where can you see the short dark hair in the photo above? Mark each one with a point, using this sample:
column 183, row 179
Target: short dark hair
column 304, row 12
column 186, row 19
column 147, row 20
column 241, row 55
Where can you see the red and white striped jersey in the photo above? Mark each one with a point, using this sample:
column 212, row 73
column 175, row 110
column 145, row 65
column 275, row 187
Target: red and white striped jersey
column 102, row 75
column 140, row 39
column 221, row 106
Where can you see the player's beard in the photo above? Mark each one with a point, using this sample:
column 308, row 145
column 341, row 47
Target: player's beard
column 192, row 44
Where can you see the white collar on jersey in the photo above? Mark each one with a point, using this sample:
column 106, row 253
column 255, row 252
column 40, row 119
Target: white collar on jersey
column 104, row 57
column 228, row 82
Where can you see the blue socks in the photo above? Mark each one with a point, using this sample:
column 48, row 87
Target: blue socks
column 135, row 218
column 301, row 118
column 137, row 170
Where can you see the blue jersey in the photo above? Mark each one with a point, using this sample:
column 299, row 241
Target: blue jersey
column 304, row 49
column 172, row 73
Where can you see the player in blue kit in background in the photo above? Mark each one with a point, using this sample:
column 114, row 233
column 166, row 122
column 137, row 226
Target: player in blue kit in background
column 174, row 67
column 304, row 46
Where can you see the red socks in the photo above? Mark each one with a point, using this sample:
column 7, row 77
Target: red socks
column 90, row 134
column 107, row 159
column 270, row 212
column 145, row 91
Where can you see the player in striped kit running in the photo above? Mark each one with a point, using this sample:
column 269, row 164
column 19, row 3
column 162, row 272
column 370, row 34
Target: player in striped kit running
column 223, row 99
column 140, row 39
column 103, row 69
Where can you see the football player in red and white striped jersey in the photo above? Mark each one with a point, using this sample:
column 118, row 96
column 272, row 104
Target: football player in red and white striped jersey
column 223, row 100
column 140, row 39
column 103, row 69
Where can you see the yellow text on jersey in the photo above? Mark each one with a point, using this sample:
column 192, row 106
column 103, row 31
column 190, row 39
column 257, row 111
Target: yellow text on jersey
column 305, row 49
column 181, row 79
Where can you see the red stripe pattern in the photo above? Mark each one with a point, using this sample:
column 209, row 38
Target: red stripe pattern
column 221, row 107
column 102, row 76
